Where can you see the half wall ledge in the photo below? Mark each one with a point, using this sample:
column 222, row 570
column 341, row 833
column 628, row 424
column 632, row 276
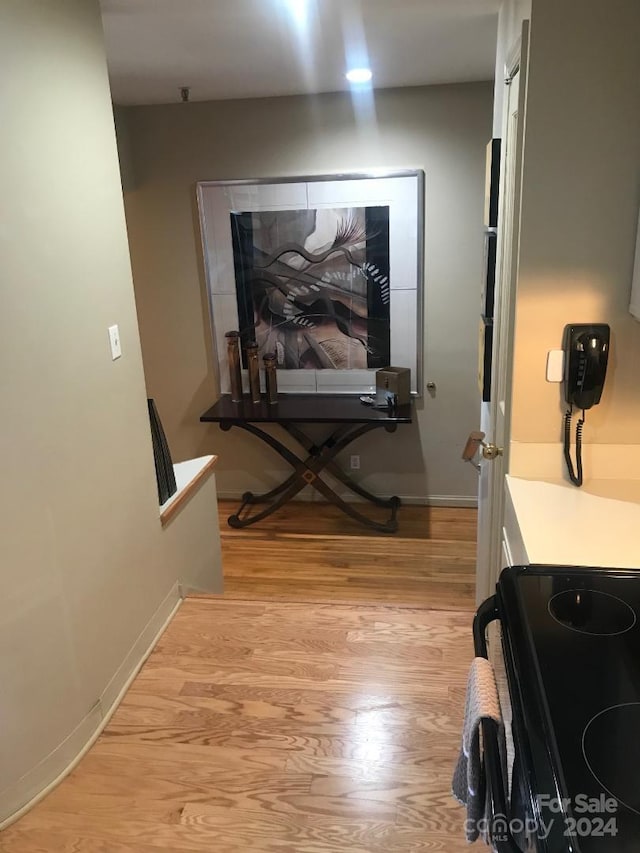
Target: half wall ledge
column 189, row 477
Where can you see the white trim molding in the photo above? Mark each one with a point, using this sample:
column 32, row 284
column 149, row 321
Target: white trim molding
column 45, row 776
column 308, row 496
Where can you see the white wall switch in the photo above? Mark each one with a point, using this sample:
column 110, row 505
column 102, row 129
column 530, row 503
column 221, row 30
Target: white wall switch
column 355, row 463
column 555, row 365
column 114, row 340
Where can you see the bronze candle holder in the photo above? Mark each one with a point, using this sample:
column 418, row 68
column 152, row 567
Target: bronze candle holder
column 233, row 357
column 254, row 372
column 271, row 376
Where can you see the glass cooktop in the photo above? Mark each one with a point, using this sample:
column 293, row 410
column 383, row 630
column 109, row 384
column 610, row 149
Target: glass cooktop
column 579, row 641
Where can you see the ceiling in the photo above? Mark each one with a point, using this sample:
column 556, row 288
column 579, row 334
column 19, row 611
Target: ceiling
column 257, row 48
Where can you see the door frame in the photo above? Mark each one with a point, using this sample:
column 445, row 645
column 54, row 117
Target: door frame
column 491, row 488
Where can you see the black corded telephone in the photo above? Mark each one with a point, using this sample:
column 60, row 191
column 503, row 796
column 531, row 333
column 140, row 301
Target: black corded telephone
column 586, row 352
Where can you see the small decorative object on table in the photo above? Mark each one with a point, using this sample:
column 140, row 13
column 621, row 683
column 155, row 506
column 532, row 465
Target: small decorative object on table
column 271, row 376
column 254, row 371
column 393, row 386
column 233, row 357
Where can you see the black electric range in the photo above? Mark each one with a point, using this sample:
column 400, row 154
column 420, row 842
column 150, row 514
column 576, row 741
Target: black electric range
column 571, row 644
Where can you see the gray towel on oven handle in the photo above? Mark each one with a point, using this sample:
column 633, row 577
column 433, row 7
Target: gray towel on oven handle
column 468, row 785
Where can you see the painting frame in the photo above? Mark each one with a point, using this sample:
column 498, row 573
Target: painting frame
column 401, row 192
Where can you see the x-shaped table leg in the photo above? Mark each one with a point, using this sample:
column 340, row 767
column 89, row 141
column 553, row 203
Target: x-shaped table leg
column 306, row 472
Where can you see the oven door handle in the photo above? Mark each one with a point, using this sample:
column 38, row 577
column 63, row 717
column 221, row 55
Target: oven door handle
column 500, row 834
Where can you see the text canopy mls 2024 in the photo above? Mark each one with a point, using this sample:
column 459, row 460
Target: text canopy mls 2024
column 326, row 272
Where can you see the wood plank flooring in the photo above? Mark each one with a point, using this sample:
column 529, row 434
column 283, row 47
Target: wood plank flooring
column 313, row 551
column 296, row 725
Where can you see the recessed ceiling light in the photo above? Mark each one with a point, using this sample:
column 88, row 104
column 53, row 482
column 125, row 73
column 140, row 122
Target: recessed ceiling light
column 359, row 75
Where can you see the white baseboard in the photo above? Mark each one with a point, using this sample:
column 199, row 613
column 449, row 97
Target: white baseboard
column 114, row 691
column 467, row 501
column 348, row 497
column 305, row 496
column 39, row 781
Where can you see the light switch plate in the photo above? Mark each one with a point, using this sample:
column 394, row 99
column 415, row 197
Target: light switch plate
column 555, row 365
column 114, row 340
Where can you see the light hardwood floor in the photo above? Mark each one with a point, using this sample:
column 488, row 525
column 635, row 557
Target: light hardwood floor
column 296, row 725
column 313, row 551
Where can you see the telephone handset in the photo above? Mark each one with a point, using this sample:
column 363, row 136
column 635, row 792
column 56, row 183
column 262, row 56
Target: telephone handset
column 586, row 353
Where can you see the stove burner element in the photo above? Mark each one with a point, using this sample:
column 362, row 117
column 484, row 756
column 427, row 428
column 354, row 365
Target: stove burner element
column 611, row 748
column 589, row 611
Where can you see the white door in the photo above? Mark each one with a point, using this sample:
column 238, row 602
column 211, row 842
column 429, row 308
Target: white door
column 496, row 419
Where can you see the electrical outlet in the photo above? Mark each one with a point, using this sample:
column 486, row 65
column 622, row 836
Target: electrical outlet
column 114, row 340
column 355, row 463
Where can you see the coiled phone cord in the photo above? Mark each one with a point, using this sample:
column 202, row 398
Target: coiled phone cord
column 576, row 479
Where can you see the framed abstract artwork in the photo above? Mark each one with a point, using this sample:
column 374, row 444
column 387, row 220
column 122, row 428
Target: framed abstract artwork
column 324, row 271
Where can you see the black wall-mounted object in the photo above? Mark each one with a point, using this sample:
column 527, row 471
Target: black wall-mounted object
column 586, row 347
column 485, row 346
column 165, row 476
column 492, row 182
column 488, row 284
column 586, row 353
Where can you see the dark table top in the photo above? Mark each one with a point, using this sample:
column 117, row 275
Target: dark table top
column 305, row 408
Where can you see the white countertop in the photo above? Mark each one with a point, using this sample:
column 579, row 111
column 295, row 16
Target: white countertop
column 596, row 525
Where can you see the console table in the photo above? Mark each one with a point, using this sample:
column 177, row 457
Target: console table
column 349, row 419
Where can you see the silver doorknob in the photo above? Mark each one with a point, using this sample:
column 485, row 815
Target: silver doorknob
column 475, row 441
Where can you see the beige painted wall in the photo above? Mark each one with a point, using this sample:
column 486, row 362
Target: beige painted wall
column 580, row 196
column 85, row 564
column 441, row 129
